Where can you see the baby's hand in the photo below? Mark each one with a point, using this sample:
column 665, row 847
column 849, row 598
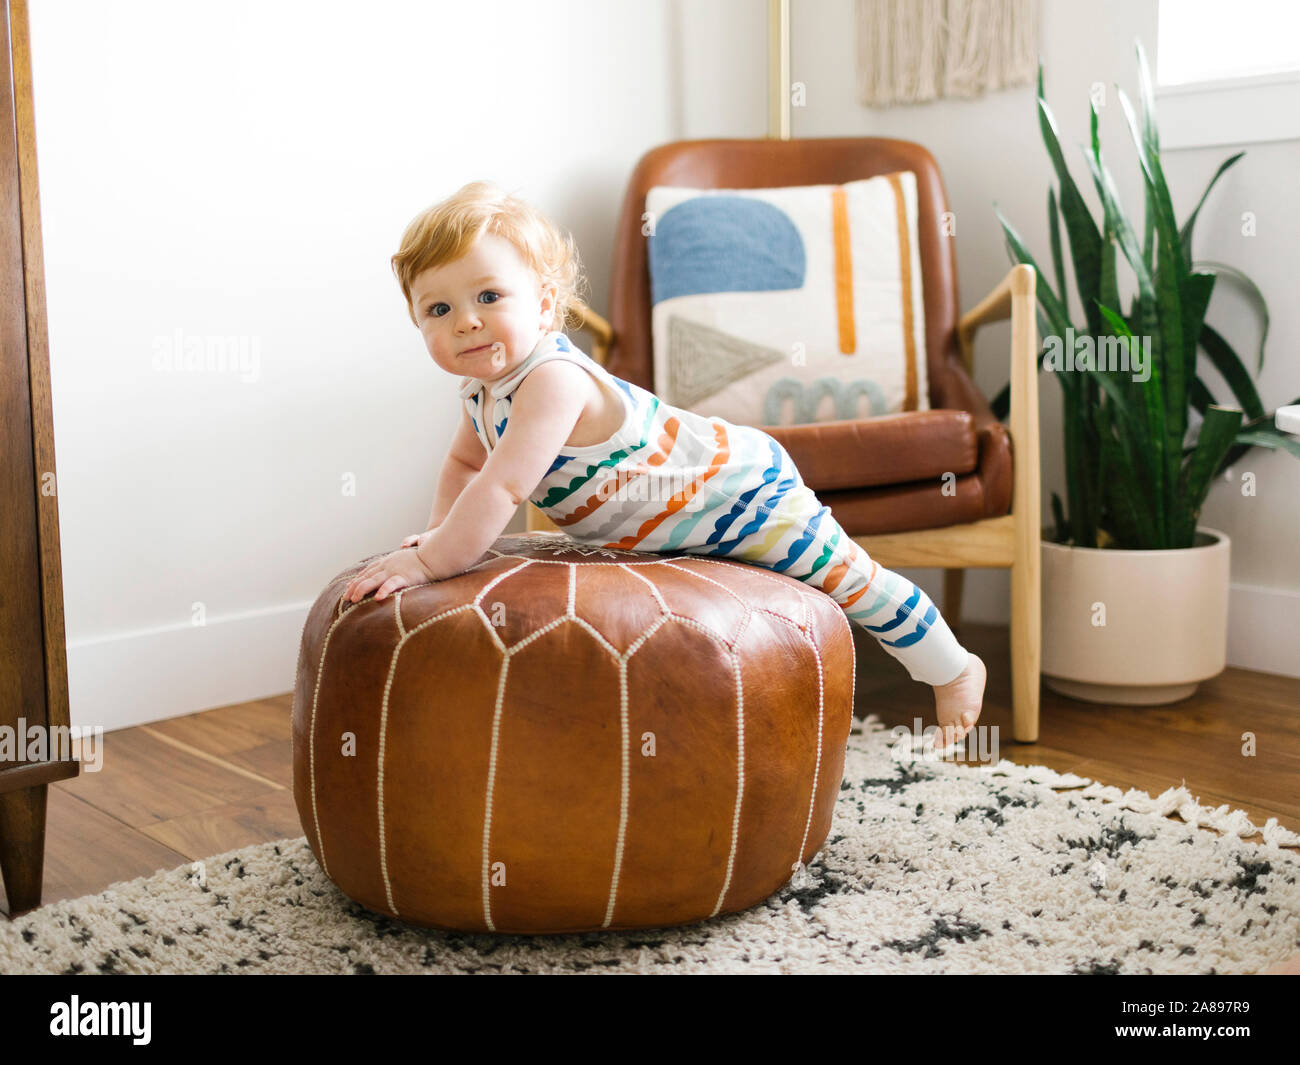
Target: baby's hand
column 398, row 569
column 416, row 540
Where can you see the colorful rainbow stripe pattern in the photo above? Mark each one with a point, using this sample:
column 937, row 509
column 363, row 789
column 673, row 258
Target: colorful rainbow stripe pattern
column 672, row 480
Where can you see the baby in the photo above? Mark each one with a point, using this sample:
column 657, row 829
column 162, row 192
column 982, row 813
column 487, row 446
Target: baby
column 488, row 280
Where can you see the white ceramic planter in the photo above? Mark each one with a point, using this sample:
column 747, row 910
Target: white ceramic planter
column 1165, row 617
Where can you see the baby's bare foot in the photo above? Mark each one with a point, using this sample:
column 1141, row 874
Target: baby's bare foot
column 958, row 703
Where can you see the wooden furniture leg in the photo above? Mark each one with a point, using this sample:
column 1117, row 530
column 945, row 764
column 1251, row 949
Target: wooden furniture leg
column 33, row 656
column 1026, row 508
column 22, row 846
column 954, row 581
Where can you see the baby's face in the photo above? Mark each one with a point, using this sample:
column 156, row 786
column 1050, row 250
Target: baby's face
column 483, row 314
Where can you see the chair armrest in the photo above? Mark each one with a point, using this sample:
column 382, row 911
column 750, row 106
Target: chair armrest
column 1015, row 297
column 994, row 307
column 601, row 331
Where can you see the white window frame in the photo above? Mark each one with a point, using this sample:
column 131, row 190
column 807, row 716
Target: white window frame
column 1231, row 110
column 1246, row 110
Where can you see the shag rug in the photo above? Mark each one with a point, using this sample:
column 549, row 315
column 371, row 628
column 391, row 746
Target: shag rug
column 930, row 867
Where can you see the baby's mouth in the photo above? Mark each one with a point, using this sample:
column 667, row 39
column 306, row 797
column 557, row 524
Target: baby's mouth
column 497, row 349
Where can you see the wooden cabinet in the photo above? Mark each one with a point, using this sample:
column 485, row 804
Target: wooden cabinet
column 33, row 663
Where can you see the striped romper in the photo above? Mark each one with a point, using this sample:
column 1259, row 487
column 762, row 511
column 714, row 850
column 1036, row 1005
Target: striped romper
column 673, row 480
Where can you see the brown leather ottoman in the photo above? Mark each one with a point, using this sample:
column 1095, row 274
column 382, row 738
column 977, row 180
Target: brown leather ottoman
column 569, row 738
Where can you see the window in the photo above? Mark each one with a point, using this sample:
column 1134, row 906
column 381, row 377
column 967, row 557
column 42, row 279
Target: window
column 1227, row 72
column 1209, row 40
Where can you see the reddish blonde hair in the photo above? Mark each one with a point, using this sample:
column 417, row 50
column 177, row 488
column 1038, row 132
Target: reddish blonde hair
column 447, row 231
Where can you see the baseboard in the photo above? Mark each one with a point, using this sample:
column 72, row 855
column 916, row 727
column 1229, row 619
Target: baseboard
column 1264, row 629
column 134, row 678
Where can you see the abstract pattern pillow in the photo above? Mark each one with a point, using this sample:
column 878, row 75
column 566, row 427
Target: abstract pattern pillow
column 788, row 305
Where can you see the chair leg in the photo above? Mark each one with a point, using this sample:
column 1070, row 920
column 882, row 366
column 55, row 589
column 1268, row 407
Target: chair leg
column 537, row 521
column 22, row 846
column 954, row 580
column 1026, row 636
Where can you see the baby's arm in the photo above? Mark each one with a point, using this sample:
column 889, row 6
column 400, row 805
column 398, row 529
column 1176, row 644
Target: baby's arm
column 464, row 460
column 545, row 409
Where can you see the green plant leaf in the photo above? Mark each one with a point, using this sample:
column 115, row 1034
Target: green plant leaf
column 1047, row 326
column 1108, row 283
column 1252, row 291
column 1271, row 438
column 1185, row 235
column 1001, row 403
column 1149, row 399
column 1264, row 424
column 1144, row 397
column 1200, row 396
column 1124, row 491
column 1115, row 393
column 1171, row 299
column 1054, row 234
column 1218, row 431
column 1058, row 515
column 1078, row 489
column 1151, row 139
column 1197, row 297
column 1148, row 97
column 1085, row 238
column 1118, row 221
column 1197, row 288
column 1234, row 373
column 1047, row 299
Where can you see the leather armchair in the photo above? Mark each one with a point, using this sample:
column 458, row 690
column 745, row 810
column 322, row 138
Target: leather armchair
column 882, row 477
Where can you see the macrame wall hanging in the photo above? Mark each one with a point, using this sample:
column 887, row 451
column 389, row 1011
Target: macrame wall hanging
column 910, row 51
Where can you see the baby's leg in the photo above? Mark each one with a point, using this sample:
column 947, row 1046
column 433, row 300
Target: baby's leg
column 907, row 624
column 901, row 617
column 798, row 537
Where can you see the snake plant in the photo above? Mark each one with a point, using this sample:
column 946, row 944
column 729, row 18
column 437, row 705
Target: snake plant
column 1133, row 478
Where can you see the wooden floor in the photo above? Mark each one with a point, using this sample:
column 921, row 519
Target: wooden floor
column 190, row 787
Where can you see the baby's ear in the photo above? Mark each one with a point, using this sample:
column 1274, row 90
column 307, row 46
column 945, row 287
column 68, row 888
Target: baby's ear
column 547, row 305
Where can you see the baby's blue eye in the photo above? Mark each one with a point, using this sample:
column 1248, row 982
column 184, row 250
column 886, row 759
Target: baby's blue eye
column 434, row 311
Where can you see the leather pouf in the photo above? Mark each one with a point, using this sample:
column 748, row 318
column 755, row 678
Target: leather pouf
column 567, row 738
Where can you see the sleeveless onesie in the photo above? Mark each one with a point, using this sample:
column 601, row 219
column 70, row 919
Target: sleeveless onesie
column 670, row 479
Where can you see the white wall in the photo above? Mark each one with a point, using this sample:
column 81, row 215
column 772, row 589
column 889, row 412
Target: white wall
column 244, row 170
column 990, row 149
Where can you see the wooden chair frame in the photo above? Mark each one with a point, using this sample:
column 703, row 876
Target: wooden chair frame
column 1011, row 541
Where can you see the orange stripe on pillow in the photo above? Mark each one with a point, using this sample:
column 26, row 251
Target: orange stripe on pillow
column 843, row 271
column 905, row 275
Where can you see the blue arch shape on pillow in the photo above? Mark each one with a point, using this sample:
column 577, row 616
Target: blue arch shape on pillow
column 807, row 397
column 724, row 244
